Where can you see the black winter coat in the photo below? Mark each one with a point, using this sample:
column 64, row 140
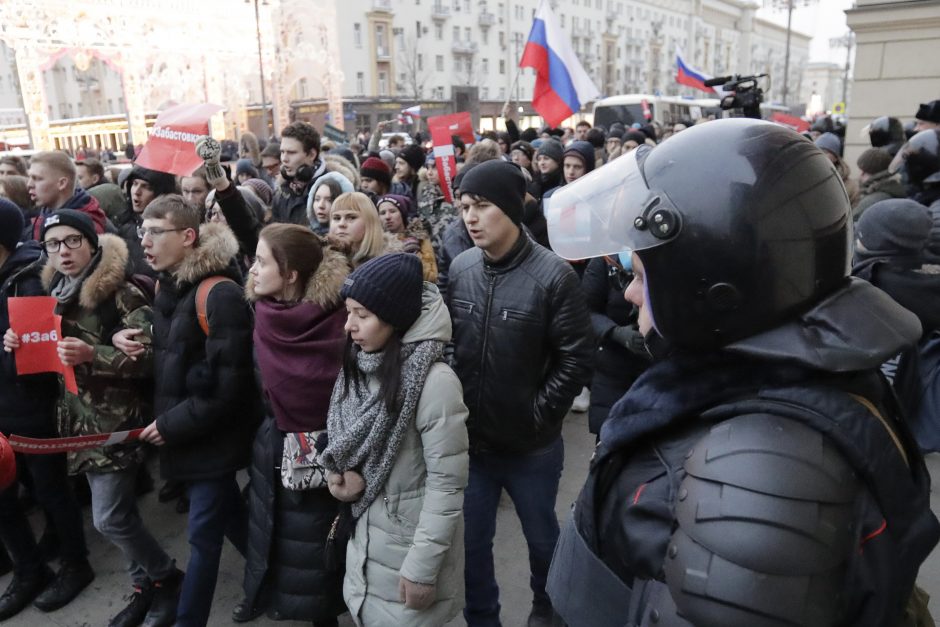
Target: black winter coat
column 27, row 403
column 615, row 367
column 287, row 531
column 456, row 240
column 206, row 402
column 522, row 345
column 291, row 207
column 127, row 228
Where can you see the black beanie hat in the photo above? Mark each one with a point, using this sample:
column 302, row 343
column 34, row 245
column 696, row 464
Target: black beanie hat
column 79, row 221
column 634, row 135
column 584, row 151
column 893, row 225
column 414, row 155
column 500, row 182
column 11, row 224
column 552, row 149
column 525, row 148
column 874, row 160
column 390, row 287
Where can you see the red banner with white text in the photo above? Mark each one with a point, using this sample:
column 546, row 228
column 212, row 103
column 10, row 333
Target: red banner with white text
column 171, row 146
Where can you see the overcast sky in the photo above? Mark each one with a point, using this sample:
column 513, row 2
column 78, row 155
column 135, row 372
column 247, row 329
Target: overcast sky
column 824, row 20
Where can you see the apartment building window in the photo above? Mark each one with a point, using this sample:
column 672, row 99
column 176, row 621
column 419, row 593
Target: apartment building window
column 399, row 37
column 439, row 93
column 485, row 66
column 502, row 93
column 458, row 64
column 383, row 83
column 381, row 48
column 357, row 35
column 457, row 6
column 456, row 33
column 420, row 62
column 438, row 32
column 562, row 16
column 502, row 39
column 502, row 66
column 466, row 6
column 439, row 62
column 467, row 34
column 360, row 83
column 485, row 93
column 418, row 29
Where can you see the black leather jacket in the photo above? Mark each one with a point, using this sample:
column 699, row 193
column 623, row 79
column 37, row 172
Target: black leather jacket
column 523, row 344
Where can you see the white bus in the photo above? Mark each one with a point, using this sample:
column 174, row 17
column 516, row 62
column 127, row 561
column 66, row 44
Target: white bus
column 644, row 108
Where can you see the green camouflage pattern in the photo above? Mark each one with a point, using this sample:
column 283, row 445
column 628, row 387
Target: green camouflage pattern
column 115, row 392
column 435, row 212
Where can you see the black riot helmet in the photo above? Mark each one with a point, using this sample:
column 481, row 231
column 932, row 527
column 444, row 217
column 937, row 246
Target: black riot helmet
column 886, row 132
column 918, row 161
column 740, row 224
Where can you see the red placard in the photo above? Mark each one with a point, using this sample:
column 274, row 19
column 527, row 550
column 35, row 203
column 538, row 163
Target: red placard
column 171, row 146
column 34, row 320
column 443, row 128
column 459, row 124
column 797, row 124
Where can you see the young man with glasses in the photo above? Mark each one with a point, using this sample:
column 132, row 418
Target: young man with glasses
column 27, row 408
column 142, row 187
column 206, row 403
column 87, row 275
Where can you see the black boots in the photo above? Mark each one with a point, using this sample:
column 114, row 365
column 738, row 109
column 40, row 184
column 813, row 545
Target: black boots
column 22, row 590
column 137, row 609
column 166, row 596
column 71, row 579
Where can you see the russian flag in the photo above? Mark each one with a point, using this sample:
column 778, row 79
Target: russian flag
column 561, row 84
column 689, row 76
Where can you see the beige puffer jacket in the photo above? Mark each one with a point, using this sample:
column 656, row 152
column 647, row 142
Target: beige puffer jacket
column 415, row 527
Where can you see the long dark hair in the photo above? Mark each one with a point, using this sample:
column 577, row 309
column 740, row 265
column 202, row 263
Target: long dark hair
column 389, row 373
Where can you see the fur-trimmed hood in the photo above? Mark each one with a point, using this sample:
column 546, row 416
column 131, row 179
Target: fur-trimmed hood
column 335, row 163
column 324, row 286
column 105, row 280
column 217, row 246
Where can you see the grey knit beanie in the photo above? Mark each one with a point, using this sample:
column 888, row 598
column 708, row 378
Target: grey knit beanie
column 894, row 225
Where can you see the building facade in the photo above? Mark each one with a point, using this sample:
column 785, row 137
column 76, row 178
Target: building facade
column 457, row 54
column 897, row 63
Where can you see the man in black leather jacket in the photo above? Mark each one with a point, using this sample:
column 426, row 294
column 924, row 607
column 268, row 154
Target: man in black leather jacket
column 522, row 350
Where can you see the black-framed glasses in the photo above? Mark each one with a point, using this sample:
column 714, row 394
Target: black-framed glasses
column 71, row 242
column 153, row 231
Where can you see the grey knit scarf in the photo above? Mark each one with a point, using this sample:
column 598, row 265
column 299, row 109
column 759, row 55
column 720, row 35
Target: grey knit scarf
column 363, row 436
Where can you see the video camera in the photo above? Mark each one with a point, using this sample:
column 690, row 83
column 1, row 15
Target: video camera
column 745, row 94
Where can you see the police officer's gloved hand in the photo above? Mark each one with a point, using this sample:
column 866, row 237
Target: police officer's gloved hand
column 629, row 338
column 209, row 150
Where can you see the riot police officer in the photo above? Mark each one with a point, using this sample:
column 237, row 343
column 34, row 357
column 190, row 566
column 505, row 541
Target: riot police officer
column 758, row 473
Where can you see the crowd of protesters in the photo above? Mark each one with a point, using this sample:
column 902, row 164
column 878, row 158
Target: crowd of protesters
column 382, row 361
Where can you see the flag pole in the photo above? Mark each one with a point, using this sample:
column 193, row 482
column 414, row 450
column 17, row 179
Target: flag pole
column 515, row 81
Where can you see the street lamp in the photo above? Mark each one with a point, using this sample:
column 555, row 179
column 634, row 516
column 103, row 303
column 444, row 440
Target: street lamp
column 787, row 5
column 845, row 41
column 264, row 98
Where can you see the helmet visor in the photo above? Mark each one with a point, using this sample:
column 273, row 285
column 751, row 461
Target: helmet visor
column 609, row 211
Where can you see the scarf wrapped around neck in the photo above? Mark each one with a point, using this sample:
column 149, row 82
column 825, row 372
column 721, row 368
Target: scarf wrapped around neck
column 363, row 435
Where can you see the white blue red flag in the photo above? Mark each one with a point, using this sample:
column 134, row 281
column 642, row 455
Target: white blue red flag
column 690, row 77
column 561, row 84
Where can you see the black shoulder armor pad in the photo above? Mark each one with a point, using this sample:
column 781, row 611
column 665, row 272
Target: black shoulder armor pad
column 765, row 526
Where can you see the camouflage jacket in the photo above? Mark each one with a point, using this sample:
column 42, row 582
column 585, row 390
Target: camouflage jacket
column 114, row 392
column 435, row 212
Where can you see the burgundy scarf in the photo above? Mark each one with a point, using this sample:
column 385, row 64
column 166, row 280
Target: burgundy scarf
column 299, row 348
